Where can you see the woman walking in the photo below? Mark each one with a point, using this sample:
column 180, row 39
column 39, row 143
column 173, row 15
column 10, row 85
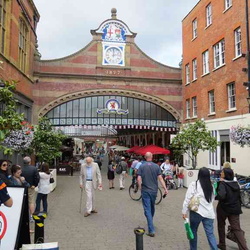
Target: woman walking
column 111, row 174
column 203, row 189
column 16, row 178
column 229, row 207
column 43, row 188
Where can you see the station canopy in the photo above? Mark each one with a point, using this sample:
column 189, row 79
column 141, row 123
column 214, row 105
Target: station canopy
column 109, row 116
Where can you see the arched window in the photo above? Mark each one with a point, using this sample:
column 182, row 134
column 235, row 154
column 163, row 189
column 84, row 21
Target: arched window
column 23, row 34
column 2, row 24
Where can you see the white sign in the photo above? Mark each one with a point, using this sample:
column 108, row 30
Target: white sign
column 10, row 218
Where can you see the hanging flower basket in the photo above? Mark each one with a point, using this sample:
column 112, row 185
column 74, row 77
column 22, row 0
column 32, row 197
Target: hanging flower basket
column 240, row 135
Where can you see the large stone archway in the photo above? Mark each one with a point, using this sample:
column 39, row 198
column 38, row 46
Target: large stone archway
column 97, row 92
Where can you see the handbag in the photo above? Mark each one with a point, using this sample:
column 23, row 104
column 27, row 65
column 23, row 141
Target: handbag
column 194, row 202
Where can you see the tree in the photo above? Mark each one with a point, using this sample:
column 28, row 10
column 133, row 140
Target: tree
column 192, row 138
column 47, row 142
column 10, row 119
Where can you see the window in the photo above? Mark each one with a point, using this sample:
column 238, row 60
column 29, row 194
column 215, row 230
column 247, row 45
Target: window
column 209, row 14
column 194, row 69
column 213, row 155
column 2, row 24
column 211, row 102
column 194, row 28
column 228, row 3
column 231, row 95
column 188, row 108
column 187, row 73
column 205, row 62
column 219, row 54
column 23, row 34
column 237, row 39
column 194, row 104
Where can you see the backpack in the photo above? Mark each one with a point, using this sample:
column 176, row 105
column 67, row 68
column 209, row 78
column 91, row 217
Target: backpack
column 119, row 168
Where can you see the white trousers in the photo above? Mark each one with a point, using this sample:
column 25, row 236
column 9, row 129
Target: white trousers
column 180, row 182
column 122, row 179
column 90, row 192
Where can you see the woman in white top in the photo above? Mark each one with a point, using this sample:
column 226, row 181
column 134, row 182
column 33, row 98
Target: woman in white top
column 203, row 189
column 43, row 188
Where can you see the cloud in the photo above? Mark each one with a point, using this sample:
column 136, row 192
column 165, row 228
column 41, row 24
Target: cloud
column 64, row 26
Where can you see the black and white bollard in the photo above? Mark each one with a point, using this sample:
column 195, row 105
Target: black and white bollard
column 39, row 227
column 139, row 232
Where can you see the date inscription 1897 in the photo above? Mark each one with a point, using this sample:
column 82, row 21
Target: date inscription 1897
column 112, row 72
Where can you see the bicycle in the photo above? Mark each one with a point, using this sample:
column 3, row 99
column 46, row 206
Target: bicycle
column 135, row 193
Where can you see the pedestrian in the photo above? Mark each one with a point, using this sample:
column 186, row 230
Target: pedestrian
column 4, row 173
column 111, row 174
column 149, row 174
column 124, row 172
column 90, row 177
column 4, row 195
column 166, row 166
column 203, row 190
column 229, row 207
column 43, row 188
column 31, row 175
column 16, row 178
column 180, row 177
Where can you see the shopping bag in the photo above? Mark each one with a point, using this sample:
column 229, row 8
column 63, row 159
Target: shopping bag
column 42, row 246
column 188, row 229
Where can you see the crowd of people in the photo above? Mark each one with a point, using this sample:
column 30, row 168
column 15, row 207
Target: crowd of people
column 37, row 181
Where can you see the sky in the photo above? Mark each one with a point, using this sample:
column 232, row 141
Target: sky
column 64, row 26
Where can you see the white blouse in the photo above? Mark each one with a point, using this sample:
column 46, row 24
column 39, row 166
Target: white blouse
column 44, row 183
column 205, row 209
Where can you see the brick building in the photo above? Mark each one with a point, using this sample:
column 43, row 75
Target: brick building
column 214, row 70
column 18, row 21
column 146, row 95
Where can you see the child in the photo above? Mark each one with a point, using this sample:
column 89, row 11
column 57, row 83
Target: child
column 180, row 178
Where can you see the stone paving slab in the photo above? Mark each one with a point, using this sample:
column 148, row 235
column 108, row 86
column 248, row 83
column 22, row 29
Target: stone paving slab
column 118, row 215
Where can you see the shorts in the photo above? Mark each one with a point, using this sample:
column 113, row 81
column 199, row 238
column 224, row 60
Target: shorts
column 31, row 196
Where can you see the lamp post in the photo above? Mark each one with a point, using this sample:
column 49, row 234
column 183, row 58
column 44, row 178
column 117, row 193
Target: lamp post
column 248, row 53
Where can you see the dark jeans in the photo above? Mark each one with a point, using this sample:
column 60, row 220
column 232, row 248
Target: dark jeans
column 41, row 197
column 195, row 220
column 148, row 202
column 234, row 220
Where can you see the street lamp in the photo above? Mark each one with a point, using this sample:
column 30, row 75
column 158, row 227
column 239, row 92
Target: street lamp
column 178, row 125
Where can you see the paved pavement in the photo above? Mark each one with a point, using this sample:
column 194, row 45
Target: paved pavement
column 118, row 215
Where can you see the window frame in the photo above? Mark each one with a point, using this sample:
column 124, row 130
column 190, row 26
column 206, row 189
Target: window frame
column 208, row 14
column 219, row 54
column 194, row 106
column 194, row 64
column 211, row 101
column 231, row 96
column 228, row 4
column 205, row 62
column 237, row 42
column 188, row 109
column 194, row 28
column 187, row 73
column 23, row 45
column 3, row 10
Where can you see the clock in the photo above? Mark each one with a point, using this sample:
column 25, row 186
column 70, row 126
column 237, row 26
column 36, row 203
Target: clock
column 113, row 55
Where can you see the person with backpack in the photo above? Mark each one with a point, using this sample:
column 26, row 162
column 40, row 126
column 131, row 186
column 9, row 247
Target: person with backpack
column 122, row 170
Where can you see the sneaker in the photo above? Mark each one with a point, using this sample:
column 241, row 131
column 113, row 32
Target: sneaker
column 150, row 234
column 86, row 214
column 223, row 247
column 94, row 211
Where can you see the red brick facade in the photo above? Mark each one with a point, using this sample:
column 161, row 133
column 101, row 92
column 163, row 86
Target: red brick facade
column 224, row 22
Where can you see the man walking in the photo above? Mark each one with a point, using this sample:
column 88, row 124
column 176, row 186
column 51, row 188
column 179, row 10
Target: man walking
column 31, row 175
column 124, row 168
column 90, row 175
column 148, row 175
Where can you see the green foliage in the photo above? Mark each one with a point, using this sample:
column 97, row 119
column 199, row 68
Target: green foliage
column 192, row 138
column 9, row 119
column 46, row 141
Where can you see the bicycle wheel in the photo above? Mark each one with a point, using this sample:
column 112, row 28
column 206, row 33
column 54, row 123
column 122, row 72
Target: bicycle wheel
column 245, row 198
column 174, row 185
column 158, row 197
column 134, row 192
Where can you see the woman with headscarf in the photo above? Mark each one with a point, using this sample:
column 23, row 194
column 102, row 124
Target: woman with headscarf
column 229, row 207
column 203, row 190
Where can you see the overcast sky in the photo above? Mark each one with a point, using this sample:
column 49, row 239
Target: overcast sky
column 65, row 25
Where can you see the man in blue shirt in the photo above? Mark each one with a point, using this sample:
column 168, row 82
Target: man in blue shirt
column 149, row 174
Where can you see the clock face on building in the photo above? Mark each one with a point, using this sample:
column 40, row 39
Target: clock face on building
column 113, row 55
